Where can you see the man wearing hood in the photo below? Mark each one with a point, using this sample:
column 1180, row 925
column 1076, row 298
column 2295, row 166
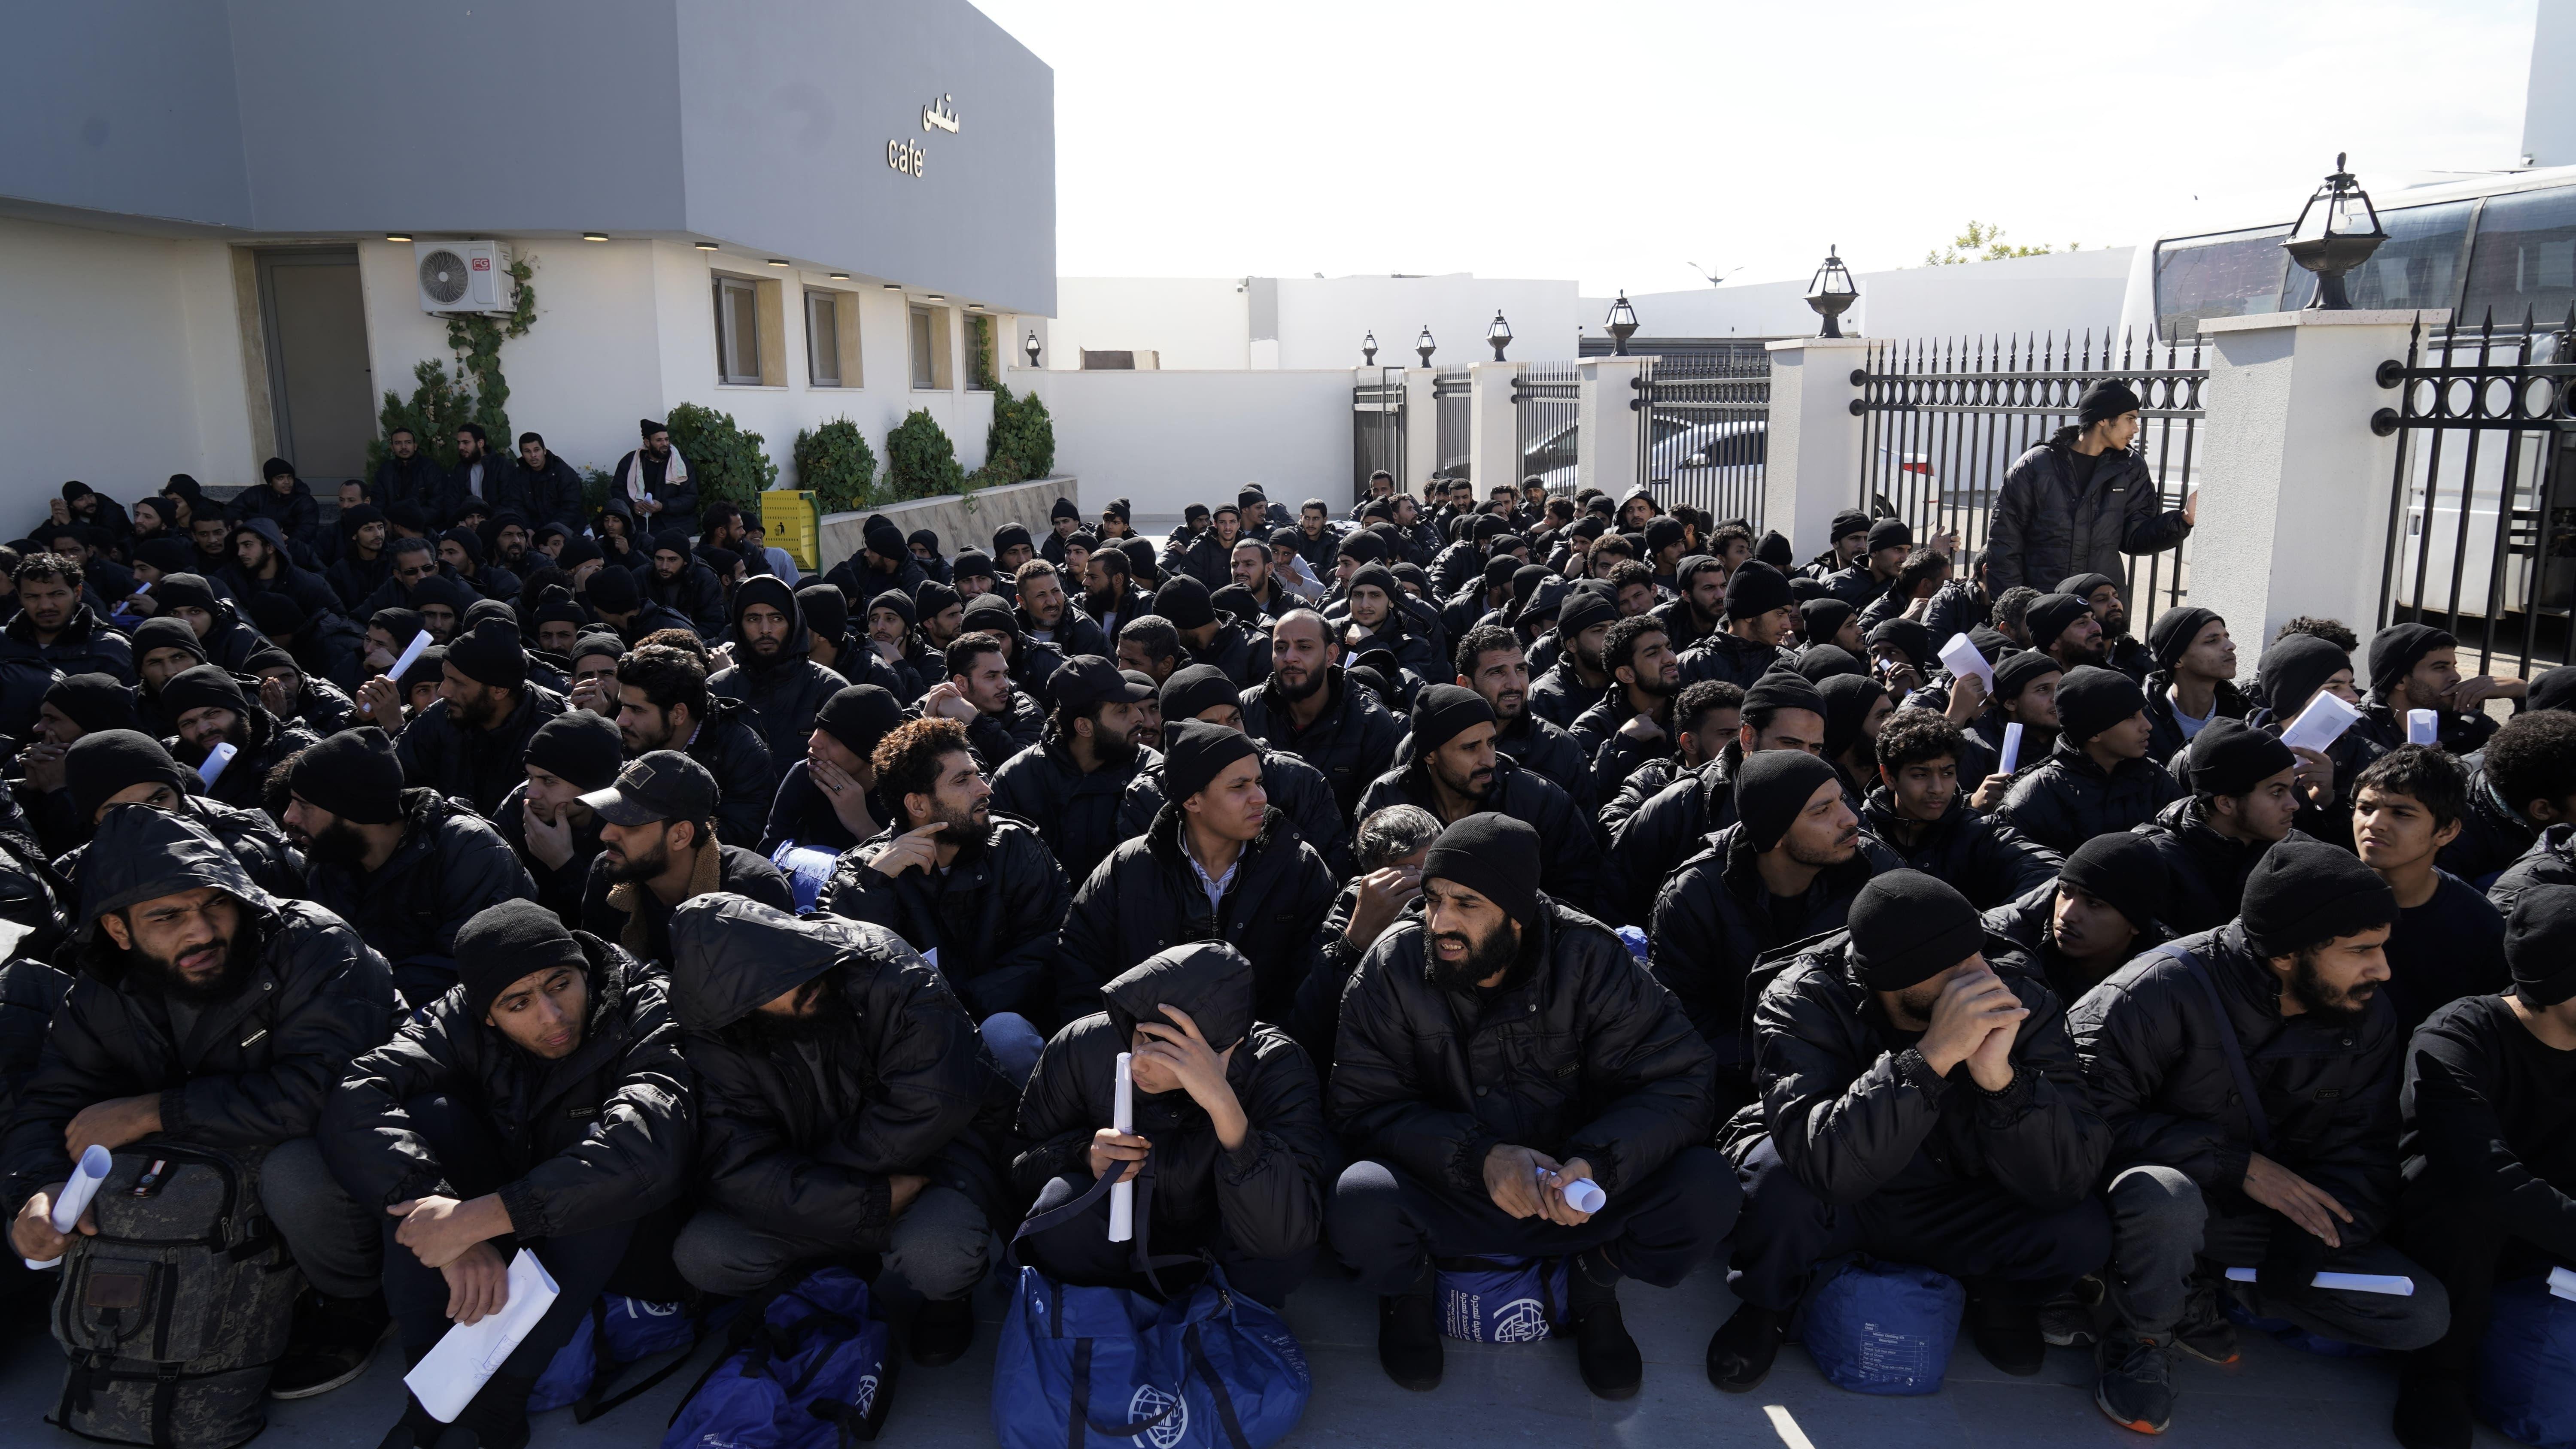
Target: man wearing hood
column 1069, row 784
column 1309, row 708
column 542, row 1106
column 664, row 704
column 262, row 564
column 55, row 629
column 847, row 1107
column 207, row 707
column 658, row 847
column 779, row 686
column 1494, row 1050
column 282, row 499
column 1228, row 1118
column 681, row 584
column 1448, row 765
column 543, row 819
column 469, row 745
column 209, row 1011
column 221, row 635
column 407, row 867
column 2098, row 777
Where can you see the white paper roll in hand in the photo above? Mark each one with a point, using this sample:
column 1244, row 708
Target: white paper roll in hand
column 94, row 1166
column 1122, row 1120
column 1581, row 1193
column 211, row 768
column 2011, row 755
column 403, row 662
column 2423, row 727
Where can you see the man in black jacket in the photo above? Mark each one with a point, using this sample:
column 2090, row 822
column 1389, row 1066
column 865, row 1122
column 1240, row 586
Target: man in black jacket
column 1201, row 692
column 1308, row 708
column 207, row 707
column 208, row 1011
column 884, row 561
column 2250, row 1076
column 2524, row 787
column 407, row 868
column 1633, row 723
column 1577, row 679
column 686, row 587
column 107, row 768
column 1449, row 767
column 2078, row 502
column 408, row 475
column 1758, row 616
column 2098, row 915
column 543, row 819
column 1493, row 1052
column 1070, row 784
column 2121, row 649
column 2193, row 683
column 1227, row 1114
column 1781, row 711
column 1918, row 812
column 846, row 1107
column 55, row 629
column 976, row 893
column 470, row 745
column 540, row 486
column 282, row 498
column 664, row 704
column 1047, row 616
column 653, row 481
column 1920, row 1101
column 2416, row 666
column 541, row 1106
column 2244, row 794
column 773, row 673
column 659, row 846
column 1492, row 662
column 2097, row 778
column 262, row 564
column 1209, row 636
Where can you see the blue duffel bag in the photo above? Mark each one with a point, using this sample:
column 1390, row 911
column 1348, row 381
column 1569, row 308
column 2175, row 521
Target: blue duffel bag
column 2527, row 1371
column 1501, row 1300
column 813, row 1368
column 618, row 1333
column 1885, row 1328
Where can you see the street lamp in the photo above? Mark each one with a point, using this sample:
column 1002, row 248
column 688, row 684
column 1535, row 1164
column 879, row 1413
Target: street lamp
column 2346, row 232
column 1368, row 348
column 1831, row 292
column 1031, row 347
column 1500, row 334
column 1423, row 346
column 1621, row 324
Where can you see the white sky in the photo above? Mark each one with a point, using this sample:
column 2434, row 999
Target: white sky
column 1617, row 142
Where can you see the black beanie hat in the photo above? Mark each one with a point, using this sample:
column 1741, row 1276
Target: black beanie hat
column 1781, row 689
column 1819, row 662
column 1585, row 607
column 1906, row 637
column 2304, row 893
column 1848, row 700
column 1184, row 600
column 198, row 688
column 93, row 701
column 884, row 538
column 400, row 625
column 1063, row 509
column 1500, row 570
column 1663, row 533
column 900, row 604
column 2230, row 757
column 2174, row 629
column 1442, row 712
column 1775, row 550
column 2020, row 670
column 2049, row 615
column 490, row 654
column 578, row 747
column 1890, row 533
column 1908, row 927
column 100, row 764
column 352, row 774
column 1196, row 752
column 429, row 668
column 992, row 607
column 926, row 538
column 1772, row 787
column 1990, row 642
column 1493, row 855
column 2539, row 943
column 2122, row 870
column 2106, row 399
column 2553, row 689
column 972, row 563
column 1140, row 560
column 2298, row 665
column 1819, row 620
column 556, row 606
column 860, row 716
column 2091, row 699
column 931, row 598
column 597, row 643
column 189, row 591
column 2083, row 586
column 1756, row 589
column 2397, row 649
column 826, row 610
column 166, row 633
column 613, row 590
column 506, row 942
column 1845, row 524
column 1010, row 536
column 1194, row 688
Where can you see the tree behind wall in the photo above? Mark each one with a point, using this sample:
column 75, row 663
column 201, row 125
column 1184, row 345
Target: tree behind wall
column 437, row 404
column 726, row 463
column 920, row 460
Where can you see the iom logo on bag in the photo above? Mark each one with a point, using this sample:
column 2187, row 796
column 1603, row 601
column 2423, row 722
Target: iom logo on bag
column 865, row 1400
column 1523, row 1320
column 1168, row 1434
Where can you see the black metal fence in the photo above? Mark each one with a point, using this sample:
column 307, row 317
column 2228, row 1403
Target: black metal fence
column 1548, row 443
column 1944, row 419
column 1452, row 418
column 1704, row 432
column 1377, row 430
column 2482, row 510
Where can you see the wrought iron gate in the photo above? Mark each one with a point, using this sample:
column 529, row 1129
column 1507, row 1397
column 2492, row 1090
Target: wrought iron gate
column 1548, row 444
column 1452, row 404
column 1704, row 433
column 1377, row 429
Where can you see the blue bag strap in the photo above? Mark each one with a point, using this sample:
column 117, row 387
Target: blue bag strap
column 2245, row 1091
column 1079, row 1419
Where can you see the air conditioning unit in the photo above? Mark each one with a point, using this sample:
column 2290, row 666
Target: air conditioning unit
column 462, row 276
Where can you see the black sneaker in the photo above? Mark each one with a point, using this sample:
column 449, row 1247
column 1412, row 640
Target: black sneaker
column 1741, row 1351
column 2432, row 1413
column 2204, row 1331
column 1408, row 1335
column 2065, row 1322
column 332, row 1342
column 2135, row 1389
column 1607, row 1356
column 2008, row 1335
column 943, row 1330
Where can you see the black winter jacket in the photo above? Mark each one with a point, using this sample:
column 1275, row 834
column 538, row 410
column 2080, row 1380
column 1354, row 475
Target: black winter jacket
column 2042, row 531
column 30, row 993
column 255, row 1070
column 1559, row 695
column 243, row 784
column 1730, row 658
column 549, row 494
column 1570, row 857
column 1297, row 788
column 1549, row 749
column 1982, row 858
column 86, row 645
column 780, row 694
column 1579, row 1053
column 478, row 766
column 746, row 774
column 990, row 922
column 995, row 738
column 1076, row 814
column 417, row 479
column 2551, row 860
column 2204, row 871
column 644, row 927
column 258, row 847
column 1238, row 651
column 604, row 1135
column 2165, row 738
column 696, row 595
column 2493, row 834
column 1672, row 825
column 2067, row 799
column 1352, row 741
column 294, row 511
column 449, row 867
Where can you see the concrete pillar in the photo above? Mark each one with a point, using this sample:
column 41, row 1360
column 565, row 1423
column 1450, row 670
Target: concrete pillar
column 2293, row 515
column 1493, row 443
column 1603, row 390
column 1421, row 432
column 1812, row 468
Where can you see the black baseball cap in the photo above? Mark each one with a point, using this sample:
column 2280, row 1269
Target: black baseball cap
column 656, row 785
column 1087, row 679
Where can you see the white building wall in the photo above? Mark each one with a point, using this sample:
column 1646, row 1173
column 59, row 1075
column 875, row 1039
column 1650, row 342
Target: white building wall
column 1193, row 322
column 1164, row 440
column 2059, row 292
column 1206, row 322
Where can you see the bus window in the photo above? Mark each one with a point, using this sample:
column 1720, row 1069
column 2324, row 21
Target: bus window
column 2232, row 275
column 2418, row 266
column 2525, row 257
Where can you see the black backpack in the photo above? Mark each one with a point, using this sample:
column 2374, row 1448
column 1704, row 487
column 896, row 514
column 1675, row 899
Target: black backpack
column 175, row 1313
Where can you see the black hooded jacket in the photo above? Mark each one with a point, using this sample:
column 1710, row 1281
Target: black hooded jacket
column 899, row 1084
column 696, row 595
column 746, row 773
column 604, row 1135
column 1075, row 813
column 1569, row 856
column 1730, row 658
column 1297, row 788
column 256, row 1068
column 1578, row 1053
column 2068, row 799
column 1267, row 1196
column 294, row 511
column 1559, row 695
column 258, row 846
column 991, row 919
column 1982, row 858
column 1351, row 741
column 478, row 766
column 779, row 694
column 449, row 867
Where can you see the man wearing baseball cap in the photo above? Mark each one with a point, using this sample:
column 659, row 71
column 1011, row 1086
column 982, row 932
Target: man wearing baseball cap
column 1493, row 983
column 657, row 848
column 1070, row 782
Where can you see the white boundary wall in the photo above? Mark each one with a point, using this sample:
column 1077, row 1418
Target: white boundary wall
column 1163, row 440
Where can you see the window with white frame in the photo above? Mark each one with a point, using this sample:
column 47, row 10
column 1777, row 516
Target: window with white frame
column 925, row 375
column 737, row 331
column 822, row 340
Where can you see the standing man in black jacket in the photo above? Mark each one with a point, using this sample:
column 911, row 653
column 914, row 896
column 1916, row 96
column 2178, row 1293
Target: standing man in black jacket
column 2082, row 500
column 846, row 1107
column 541, row 1106
column 472, row 743
column 1492, row 1052
column 1920, row 1101
column 542, row 487
column 2250, row 1076
column 653, row 481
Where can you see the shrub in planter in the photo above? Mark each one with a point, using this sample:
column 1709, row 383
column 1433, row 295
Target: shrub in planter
column 1022, row 433
column 727, row 463
column 836, row 462
column 920, row 460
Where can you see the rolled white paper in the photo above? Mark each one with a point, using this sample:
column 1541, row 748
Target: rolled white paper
column 411, row 652
column 467, row 1355
column 212, row 768
column 2321, row 723
column 2393, row 1286
column 2423, row 727
column 2563, row 1283
column 2012, row 750
column 1122, row 1120
column 1581, row 1193
column 1961, row 658
column 92, row 1170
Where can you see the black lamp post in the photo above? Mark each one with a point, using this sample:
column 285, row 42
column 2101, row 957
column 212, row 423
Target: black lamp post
column 2346, row 232
column 1500, row 334
column 1423, row 346
column 1621, row 324
column 1368, row 348
column 1031, row 347
column 1831, row 292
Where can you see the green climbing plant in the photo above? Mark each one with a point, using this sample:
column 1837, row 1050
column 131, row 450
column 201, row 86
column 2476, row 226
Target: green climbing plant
column 439, row 401
column 836, row 462
column 475, row 391
column 979, row 350
column 920, row 460
column 726, row 462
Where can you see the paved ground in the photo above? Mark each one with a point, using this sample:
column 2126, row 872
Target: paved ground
column 1523, row 1394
